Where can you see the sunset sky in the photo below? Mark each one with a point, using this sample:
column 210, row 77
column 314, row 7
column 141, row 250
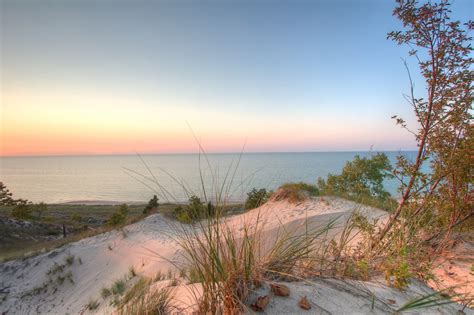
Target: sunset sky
column 118, row 77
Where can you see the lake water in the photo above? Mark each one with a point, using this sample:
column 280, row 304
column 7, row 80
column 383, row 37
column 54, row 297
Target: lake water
column 127, row 178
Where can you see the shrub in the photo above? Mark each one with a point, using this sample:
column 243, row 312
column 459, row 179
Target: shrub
column 182, row 215
column 120, row 216
column 76, row 217
column 105, row 293
column 118, row 288
column 152, row 205
column 22, row 211
column 256, row 198
column 5, row 196
column 397, row 271
column 40, row 209
column 361, row 180
column 194, row 210
column 298, row 191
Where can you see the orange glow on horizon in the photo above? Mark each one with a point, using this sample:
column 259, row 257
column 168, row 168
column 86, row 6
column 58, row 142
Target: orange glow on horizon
column 64, row 122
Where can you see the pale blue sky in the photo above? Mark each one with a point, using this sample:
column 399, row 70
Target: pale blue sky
column 326, row 63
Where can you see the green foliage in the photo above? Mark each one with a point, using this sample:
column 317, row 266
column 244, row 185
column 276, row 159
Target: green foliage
column 300, row 186
column 6, row 196
column 397, row 270
column 295, row 192
column 105, row 293
column 76, row 217
column 40, row 209
column 120, row 216
column 256, row 198
column 152, row 205
column 361, row 180
column 22, row 211
column 443, row 50
column 118, row 288
column 194, row 210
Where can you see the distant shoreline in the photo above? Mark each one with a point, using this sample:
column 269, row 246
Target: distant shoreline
column 117, row 203
column 197, row 153
column 98, row 202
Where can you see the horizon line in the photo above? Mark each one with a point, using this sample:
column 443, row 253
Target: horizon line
column 203, row 153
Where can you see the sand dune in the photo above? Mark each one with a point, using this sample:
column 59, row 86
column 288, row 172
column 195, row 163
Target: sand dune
column 149, row 247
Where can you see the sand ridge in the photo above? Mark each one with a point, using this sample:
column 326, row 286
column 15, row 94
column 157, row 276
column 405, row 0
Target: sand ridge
column 149, row 247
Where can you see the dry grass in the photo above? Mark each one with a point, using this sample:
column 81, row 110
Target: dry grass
column 143, row 299
column 229, row 262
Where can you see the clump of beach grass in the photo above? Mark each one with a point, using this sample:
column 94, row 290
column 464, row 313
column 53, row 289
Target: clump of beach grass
column 228, row 262
column 143, row 299
column 105, row 293
column 118, row 287
column 295, row 192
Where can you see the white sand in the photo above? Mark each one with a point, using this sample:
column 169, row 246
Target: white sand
column 148, row 247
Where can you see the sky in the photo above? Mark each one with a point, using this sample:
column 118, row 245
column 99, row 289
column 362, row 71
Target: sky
column 119, row 77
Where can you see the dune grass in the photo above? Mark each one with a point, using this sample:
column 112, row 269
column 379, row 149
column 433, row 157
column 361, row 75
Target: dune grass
column 295, row 192
column 143, row 299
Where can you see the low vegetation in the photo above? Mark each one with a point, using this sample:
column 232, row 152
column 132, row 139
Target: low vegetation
column 295, row 192
column 119, row 216
column 256, row 198
column 194, row 210
column 152, row 205
column 118, row 287
column 362, row 180
column 46, row 231
column 147, row 300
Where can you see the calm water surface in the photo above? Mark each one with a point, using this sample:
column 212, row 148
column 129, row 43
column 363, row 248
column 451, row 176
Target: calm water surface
column 108, row 178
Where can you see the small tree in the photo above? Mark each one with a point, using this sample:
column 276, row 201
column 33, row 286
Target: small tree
column 152, row 205
column 119, row 216
column 361, row 179
column 76, row 217
column 194, row 210
column 40, row 209
column 444, row 137
column 22, row 211
column 5, row 196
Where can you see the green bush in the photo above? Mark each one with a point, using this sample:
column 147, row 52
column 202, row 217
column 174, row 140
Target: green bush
column 397, row 270
column 22, row 211
column 152, row 205
column 256, row 198
column 120, row 216
column 118, row 288
column 299, row 191
column 194, row 210
column 5, row 196
column 361, row 180
column 76, row 217
column 40, row 209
